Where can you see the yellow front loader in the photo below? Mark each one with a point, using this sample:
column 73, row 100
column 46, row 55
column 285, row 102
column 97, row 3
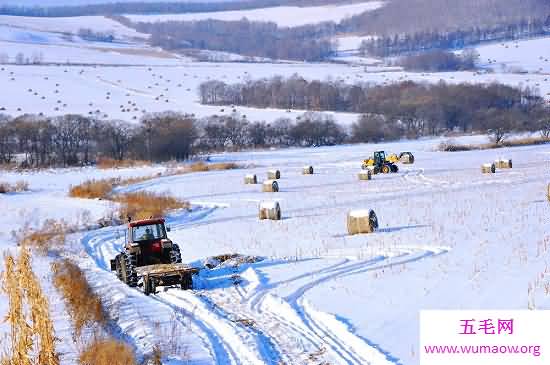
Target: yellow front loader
column 380, row 162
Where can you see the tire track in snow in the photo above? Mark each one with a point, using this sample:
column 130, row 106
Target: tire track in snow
column 227, row 342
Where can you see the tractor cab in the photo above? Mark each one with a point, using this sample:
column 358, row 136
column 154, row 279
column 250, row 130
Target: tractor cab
column 148, row 240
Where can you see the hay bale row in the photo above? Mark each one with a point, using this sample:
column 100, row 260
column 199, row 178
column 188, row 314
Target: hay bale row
column 270, row 210
column 307, row 170
column 488, row 168
column 503, row 164
column 365, row 175
column 250, row 179
column 274, row 174
column 362, row 221
column 270, row 186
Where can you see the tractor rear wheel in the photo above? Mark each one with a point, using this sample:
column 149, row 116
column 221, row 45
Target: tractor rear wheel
column 394, row 168
column 118, row 267
column 149, row 286
column 175, row 254
column 128, row 263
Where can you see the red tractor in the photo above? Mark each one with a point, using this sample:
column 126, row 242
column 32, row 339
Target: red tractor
column 149, row 254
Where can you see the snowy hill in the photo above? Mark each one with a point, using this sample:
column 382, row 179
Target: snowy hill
column 289, row 16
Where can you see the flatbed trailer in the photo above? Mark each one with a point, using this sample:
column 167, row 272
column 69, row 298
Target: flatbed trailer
column 166, row 275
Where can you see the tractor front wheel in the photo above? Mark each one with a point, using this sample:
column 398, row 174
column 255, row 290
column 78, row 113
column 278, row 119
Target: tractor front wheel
column 186, row 281
column 386, row 169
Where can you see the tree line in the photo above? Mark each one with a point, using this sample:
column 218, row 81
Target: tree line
column 440, row 61
column 416, row 108
column 160, row 7
column 261, row 39
column 73, row 140
column 400, row 17
column 430, row 40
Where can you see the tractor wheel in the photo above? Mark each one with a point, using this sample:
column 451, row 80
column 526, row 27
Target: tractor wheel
column 128, row 263
column 394, row 168
column 386, row 169
column 149, row 286
column 373, row 219
column 118, row 267
column 175, row 254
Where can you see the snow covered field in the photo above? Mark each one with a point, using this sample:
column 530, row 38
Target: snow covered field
column 286, row 16
column 450, row 238
column 71, row 25
column 109, row 90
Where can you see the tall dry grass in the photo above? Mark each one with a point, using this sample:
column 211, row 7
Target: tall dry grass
column 103, row 188
column 83, row 304
column 32, row 337
column 202, row 166
column 107, row 352
column 111, row 163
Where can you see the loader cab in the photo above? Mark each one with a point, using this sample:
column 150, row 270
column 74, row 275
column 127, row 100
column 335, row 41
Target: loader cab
column 379, row 158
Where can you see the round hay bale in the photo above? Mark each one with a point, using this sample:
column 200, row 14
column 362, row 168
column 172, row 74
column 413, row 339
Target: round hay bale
column 270, row 186
column 250, row 179
column 365, row 175
column 362, row 221
column 270, row 210
column 503, row 164
column 548, row 192
column 307, row 170
column 274, row 174
column 406, row 158
column 488, row 168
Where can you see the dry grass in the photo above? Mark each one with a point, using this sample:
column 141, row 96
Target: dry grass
column 18, row 187
column 111, row 163
column 51, row 236
column 107, row 352
column 142, row 205
column 32, row 338
column 92, row 189
column 101, row 189
column 201, row 166
column 83, row 304
column 528, row 141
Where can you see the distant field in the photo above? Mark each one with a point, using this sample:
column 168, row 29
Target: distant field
column 527, row 55
column 289, row 16
column 112, row 89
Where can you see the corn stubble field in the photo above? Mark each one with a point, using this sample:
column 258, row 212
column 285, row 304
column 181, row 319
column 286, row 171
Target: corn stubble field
column 305, row 290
